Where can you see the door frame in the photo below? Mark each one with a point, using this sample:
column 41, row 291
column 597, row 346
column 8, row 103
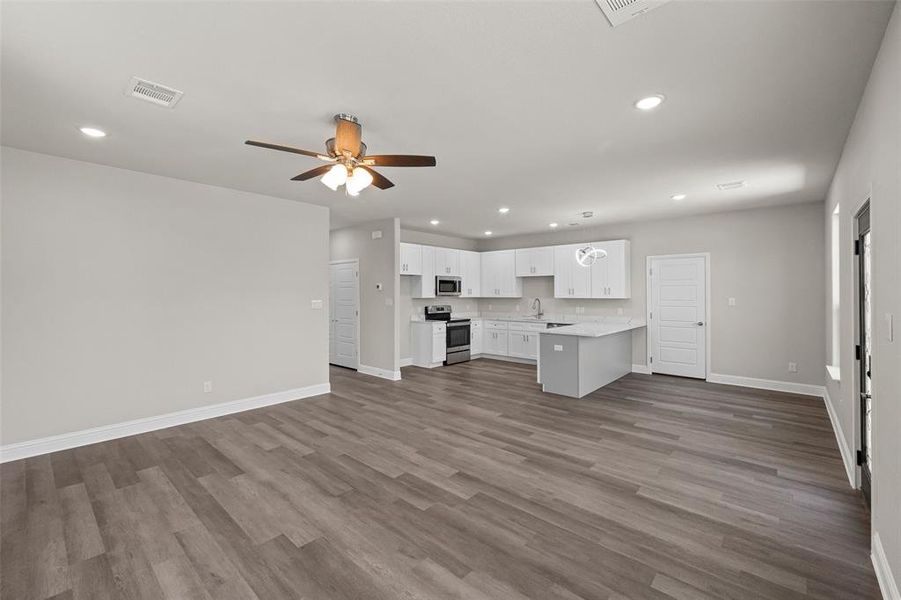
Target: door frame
column 356, row 262
column 709, row 321
column 857, row 371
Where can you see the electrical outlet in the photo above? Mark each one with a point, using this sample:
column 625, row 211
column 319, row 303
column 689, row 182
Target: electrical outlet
column 792, row 367
column 558, row 347
column 377, row 234
column 731, row 301
column 207, row 387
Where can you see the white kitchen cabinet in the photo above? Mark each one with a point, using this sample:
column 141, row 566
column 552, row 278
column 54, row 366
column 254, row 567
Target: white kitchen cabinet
column 611, row 276
column 475, row 337
column 571, row 280
column 428, row 343
column 447, row 261
column 410, row 259
column 499, row 275
column 494, row 342
column 522, row 339
column 471, row 274
column 535, row 262
column 424, row 287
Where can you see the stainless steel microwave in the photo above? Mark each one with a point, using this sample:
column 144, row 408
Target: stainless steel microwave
column 446, row 285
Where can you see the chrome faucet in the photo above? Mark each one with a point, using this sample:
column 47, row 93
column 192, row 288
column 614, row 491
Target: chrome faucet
column 537, row 302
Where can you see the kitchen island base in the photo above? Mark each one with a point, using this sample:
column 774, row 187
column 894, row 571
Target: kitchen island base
column 575, row 366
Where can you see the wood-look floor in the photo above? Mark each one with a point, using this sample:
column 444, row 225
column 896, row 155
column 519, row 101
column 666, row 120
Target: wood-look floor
column 461, row 482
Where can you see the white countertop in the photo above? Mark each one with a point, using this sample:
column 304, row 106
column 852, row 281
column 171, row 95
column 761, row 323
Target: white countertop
column 594, row 329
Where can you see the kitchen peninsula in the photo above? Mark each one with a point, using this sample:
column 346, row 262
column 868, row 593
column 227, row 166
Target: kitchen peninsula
column 578, row 359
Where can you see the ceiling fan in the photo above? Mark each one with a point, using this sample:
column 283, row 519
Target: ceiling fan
column 350, row 165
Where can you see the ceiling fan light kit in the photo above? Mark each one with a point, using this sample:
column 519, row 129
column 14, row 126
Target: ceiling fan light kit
column 350, row 166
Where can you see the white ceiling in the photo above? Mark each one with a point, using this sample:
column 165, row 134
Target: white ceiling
column 526, row 105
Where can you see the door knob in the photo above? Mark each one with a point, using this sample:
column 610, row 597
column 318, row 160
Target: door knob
column 700, row 323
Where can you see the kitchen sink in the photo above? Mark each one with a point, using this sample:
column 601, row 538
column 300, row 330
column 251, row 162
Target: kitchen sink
column 555, row 325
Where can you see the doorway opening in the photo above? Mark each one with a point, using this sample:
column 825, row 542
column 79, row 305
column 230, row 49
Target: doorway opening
column 678, row 321
column 344, row 313
column 863, row 352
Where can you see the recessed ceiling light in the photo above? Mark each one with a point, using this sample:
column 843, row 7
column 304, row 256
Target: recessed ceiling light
column 434, row 221
column 503, row 210
column 679, row 197
column 93, row 132
column 552, row 225
column 488, row 232
column 650, row 102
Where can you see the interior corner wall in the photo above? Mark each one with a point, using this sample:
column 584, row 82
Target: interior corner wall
column 379, row 258
column 870, row 168
column 123, row 292
column 769, row 259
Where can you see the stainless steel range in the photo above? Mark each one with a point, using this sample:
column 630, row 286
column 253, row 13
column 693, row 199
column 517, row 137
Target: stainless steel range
column 458, row 332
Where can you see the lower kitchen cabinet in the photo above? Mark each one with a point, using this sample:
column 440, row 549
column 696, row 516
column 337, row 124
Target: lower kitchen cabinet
column 494, row 342
column 475, row 337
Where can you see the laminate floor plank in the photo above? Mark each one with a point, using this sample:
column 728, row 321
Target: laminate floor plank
column 464, row 482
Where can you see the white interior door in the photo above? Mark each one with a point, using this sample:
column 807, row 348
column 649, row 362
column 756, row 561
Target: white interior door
column 677, row 319
column 344, row 314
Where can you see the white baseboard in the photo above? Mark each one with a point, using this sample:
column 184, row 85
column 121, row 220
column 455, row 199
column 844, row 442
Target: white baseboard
column 406, row 362
column 513, row 359
column 376, row 372
column 105, row 433
column 805, row 389
column 844, row 448
column 644, row 369
column 887, row 582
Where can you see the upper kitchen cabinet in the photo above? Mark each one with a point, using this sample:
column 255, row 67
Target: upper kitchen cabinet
column 611, row 275
column 410, row 259
column 571, row 280
column 424, row 286
column 535, row 262
column 471, row 274
column 447, row 261
column 499, row 275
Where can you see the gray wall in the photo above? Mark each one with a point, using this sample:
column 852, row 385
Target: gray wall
column 870, row 167
column 123, row 292
column 770, row 260
column 379, row 261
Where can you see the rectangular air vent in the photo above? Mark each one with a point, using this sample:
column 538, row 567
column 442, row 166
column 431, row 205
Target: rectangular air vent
column 732, row 185
column 620, row 11
column 153, row 92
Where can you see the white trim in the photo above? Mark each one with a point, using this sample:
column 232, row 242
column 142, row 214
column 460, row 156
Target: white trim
column 644, row 369
column 105, row 433
column 844, row 448
column 834, row 372
column 383, row 373
column 406, row 362
column 513, row 359
column 806, row 389
column 707, row 309
column 887, row 582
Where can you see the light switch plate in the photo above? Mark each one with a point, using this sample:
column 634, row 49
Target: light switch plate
column 316, row 304
column 377, row 234
column 731, row 301
column 558, row 347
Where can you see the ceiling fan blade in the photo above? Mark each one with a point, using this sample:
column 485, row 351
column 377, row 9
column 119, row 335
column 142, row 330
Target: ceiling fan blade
column 399, row 160
column 312, row 173
column 348, row 136
column 378, row 180
column 285, row 149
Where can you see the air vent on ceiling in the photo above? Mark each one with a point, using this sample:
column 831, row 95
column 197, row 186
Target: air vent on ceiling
column 153, row 92
column 732, row 185
column 620, row 11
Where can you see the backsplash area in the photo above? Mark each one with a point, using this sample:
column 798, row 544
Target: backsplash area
column 532, row 287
